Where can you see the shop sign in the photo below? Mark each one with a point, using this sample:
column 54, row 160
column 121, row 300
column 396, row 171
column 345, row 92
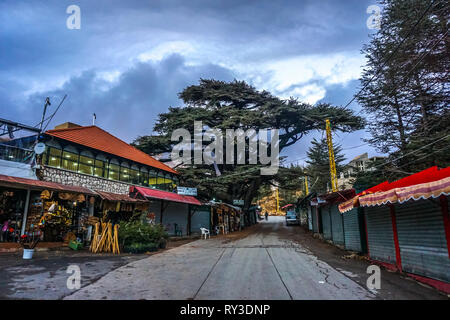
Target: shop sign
column 238, row 202
column 187, row 191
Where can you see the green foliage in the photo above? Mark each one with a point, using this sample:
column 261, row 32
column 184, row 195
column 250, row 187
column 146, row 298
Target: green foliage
column 407, row 100
column 135, row 231
column 318, row 168
column 237, row 105
column 373, row 175
column 141, row 247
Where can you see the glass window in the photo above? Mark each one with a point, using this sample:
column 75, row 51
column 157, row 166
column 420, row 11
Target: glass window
column 169, row 182
column 175, row 182
column 143, row 177
column 124, row 174
column 152, row 178
column 54, row 157
column 113, row 171
column 70, row 161
column 160, row 181
column 99, row 169
column 86, row 165
column 134, row 176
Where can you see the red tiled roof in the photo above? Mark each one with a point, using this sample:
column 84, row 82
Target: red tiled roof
column 96, row 138
column 164, row 195
column 41, row 185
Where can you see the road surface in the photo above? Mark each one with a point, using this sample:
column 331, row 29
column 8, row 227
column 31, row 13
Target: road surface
column 263, row 265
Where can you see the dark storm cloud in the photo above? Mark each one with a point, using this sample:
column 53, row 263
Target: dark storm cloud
column 129, row 106
column 39, row 56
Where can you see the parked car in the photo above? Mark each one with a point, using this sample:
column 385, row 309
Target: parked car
column 291, row 218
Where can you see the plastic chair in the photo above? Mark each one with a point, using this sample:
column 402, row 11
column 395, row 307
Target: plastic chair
column 178, row 231
column 205, row 232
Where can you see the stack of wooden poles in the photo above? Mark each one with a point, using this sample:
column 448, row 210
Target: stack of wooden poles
column 105, row 238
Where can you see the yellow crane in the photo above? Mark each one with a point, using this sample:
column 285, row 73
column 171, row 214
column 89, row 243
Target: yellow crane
column 333, row 174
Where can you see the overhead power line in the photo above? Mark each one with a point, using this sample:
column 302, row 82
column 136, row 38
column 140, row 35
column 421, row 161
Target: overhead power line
column 414, row 151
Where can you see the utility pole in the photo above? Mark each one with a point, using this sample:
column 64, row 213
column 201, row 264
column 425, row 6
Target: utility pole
column 333, row 174
column 306, row 185
column 47, row 103
column 278, row 202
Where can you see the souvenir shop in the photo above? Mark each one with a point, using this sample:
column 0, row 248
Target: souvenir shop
column 117, row 207
column 225, row 218
column 12, row 208
column 40, row 209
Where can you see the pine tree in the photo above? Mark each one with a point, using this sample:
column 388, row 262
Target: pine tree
column 407, row 100
column 318, row 168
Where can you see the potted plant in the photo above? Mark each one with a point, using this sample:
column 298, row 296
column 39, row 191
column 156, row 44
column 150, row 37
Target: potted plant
column 28, row 246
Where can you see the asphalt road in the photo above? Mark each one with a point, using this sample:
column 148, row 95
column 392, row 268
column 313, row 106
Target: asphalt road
column 263, row 265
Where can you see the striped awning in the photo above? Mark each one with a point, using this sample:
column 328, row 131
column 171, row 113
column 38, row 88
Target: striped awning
column 416, row 192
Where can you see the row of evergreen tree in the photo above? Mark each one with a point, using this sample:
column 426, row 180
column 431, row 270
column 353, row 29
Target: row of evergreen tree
column 404, row 95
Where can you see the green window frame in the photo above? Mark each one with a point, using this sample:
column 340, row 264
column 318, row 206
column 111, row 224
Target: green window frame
column 124, row 174
column 134, row 176
column 86, row 165
column 113, row 171
column 143, row 178
column 100, row 169
column 53, row 157
column 70, row 161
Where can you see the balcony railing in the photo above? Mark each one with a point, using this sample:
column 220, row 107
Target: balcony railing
column 16, row 154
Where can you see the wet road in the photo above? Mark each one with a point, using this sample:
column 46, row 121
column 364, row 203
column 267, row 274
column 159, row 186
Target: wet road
column 260, row 266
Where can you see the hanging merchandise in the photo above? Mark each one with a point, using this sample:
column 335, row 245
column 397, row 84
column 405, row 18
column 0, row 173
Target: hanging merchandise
column 46, row 194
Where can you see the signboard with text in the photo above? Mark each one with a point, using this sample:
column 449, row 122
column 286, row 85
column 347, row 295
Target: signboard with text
column 238, row 202
column 187, row 191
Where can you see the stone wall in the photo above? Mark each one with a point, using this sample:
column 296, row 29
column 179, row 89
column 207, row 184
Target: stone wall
column 82, row 180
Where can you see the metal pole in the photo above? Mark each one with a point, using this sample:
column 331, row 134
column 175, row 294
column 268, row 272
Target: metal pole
column 47, row 103
column 25, row 213
column 306, row 185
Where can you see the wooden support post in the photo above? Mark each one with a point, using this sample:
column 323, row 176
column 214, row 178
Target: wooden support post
column 25, row 213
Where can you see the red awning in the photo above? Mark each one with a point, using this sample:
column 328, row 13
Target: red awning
column 429, row 183
column 164, row 195
column 287, row 206
column 118, row 197
column 23, row 183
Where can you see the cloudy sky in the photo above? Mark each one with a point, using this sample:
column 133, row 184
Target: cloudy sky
column 129, row 59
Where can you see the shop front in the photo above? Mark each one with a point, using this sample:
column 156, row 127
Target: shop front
column 12, row 208
column 49, row 211
column 170, row 209
column 225, row 218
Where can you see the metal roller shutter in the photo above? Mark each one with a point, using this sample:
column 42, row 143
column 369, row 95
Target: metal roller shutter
column 421, row 237
column 352, row 230
column 326, row 222
column 314, row 219
column 337, row 227
column 200, row 219
column 176, row 213
column 310, row 226
column 380, row 234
